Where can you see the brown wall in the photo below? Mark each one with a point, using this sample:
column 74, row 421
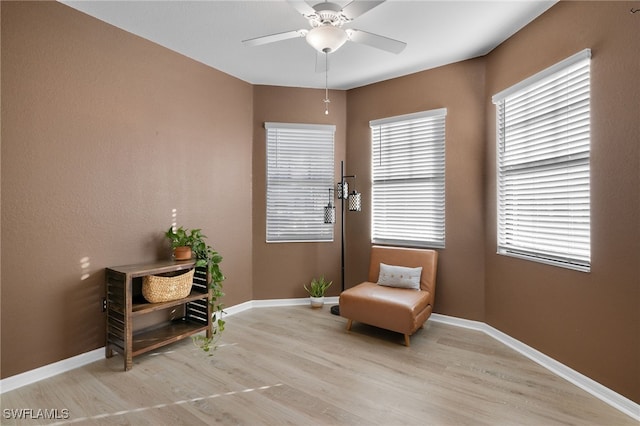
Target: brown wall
column 588, row 321
column 460, row 89
column 281, row 269
column 103, row 135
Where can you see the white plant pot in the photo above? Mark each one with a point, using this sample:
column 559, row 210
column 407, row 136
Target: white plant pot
column 317, row 302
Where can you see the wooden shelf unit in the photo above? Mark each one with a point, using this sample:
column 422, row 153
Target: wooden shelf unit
column 125, row 304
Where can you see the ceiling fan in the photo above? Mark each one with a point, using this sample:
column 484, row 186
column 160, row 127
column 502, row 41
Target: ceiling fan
column 327, row 34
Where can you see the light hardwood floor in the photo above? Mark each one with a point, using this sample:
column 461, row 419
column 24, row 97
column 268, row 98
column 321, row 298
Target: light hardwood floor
column 299, row 366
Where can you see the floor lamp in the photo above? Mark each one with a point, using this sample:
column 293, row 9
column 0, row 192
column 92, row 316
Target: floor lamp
column 354, row 201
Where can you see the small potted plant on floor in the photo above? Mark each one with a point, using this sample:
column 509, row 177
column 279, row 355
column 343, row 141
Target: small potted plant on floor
column 316, row 290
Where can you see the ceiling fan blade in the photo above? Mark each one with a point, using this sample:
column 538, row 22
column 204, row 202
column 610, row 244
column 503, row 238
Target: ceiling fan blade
column 302, row 7
column 377, row 41
column 272, row 38
column 322, row 62
column 357, row 8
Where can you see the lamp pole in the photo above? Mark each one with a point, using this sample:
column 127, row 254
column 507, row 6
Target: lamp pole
column 335, row 310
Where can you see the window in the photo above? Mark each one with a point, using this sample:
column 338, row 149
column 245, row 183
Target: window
column 408, row 203
column 543, row 150
column 300, row 172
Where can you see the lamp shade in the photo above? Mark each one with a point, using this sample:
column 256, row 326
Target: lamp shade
column 343, row 189
column 326, row 38
column 355, row 202
column 329, row 213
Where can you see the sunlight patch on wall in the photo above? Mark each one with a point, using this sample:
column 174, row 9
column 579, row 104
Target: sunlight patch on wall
column 174, row 219
column 84, row 268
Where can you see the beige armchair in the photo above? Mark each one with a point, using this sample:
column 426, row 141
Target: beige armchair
column 393, row 306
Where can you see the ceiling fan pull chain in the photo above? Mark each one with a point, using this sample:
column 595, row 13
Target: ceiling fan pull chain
column 326, row 83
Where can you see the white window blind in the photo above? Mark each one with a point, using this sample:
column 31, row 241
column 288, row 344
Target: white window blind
column 543, row 138
column 300, row 172
column 408, row 179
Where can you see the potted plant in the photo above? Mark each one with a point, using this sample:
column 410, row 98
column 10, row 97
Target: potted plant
column 206, row 257
column 316, row 290
column 181, row 242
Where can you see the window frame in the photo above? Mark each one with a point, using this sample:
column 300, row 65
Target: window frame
column 529, row 221
column 426, row 171
column 301, row 188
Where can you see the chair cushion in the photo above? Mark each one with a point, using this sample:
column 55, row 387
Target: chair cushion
column 396, row 309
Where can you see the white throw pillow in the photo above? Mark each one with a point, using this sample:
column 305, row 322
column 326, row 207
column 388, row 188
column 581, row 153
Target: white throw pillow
column 399, row 276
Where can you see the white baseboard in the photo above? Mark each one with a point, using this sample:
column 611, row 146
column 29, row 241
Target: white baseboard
column 50, row 370
column 274, row 303
column 599, row 391
column 596, row 389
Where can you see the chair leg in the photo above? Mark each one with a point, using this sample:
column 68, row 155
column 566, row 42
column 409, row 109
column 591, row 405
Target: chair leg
column 407, row 341
column 349, row 323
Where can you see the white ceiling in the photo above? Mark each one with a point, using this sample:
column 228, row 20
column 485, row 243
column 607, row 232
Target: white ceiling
column 436, row 32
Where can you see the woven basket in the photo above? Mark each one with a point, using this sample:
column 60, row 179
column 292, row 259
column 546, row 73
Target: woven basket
column 158, row 289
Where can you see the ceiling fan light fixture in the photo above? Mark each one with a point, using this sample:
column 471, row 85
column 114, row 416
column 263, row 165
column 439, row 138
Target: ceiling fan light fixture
column 326, row 38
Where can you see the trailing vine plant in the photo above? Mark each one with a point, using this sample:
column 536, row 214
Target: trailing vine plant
column 208, row 258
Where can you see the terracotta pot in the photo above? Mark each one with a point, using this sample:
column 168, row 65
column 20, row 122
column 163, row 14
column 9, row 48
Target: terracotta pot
column 182, row 253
